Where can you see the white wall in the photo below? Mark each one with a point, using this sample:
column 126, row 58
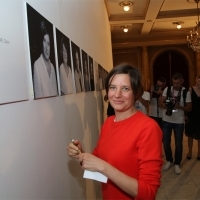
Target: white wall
column 34, row 133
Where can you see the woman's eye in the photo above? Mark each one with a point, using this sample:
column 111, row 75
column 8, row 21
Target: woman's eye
column 125, row 89
column 111, row 87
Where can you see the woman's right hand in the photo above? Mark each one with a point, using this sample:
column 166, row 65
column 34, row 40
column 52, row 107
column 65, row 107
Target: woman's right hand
column 74, row 148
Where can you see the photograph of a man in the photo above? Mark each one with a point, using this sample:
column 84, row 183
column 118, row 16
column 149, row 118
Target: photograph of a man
column 64, row 63
column 42, row 54
column 78, row 75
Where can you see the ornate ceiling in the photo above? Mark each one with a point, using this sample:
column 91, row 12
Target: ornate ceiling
column 151, row 22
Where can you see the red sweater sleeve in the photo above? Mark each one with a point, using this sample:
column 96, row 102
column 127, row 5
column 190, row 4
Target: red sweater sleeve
column 150, row 161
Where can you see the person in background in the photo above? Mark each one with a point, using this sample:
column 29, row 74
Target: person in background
column 192, row 126
column 156, row 92
column 44, row 76
column 142, row 103
column 66, row 79
column 110, row 109
column 173, row 119
column 128, row 152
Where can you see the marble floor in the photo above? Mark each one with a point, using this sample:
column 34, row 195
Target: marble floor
column 185, row 186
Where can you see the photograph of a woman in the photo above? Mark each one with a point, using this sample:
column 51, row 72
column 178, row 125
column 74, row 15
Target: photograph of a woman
column 64, row 61
column 42, row 54
column 85, row 71
column 78, row 75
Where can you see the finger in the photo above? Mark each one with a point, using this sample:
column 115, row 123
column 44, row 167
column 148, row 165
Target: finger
column 72, row 148
column 72, row 153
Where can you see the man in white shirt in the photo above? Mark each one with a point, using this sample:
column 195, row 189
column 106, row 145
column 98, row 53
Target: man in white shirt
column 174, row 106
column 143, row 103
column 155, row 112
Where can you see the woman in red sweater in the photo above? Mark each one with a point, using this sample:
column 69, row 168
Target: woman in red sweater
column 129, row 148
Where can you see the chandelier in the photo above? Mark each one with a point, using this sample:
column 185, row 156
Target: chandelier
column 194, row 39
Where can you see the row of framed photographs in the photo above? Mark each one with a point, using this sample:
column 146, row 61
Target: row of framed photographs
column 63, row 70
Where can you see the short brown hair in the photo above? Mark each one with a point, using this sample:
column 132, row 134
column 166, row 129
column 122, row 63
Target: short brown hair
column 134, row 75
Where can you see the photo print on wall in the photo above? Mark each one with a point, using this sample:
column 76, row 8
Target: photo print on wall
column 42, row 54
column 91, row 74
column 96, row 75
column 85, row 71
column 64, row 63
column 78, row 74
column 102, row 74
column 105, row 74
column 101, row 77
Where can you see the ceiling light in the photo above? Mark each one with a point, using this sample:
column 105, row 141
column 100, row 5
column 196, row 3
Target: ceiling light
column 125, row 28
column 126, row 8
column 193, row 39
column 178, row 24
column 126, row 5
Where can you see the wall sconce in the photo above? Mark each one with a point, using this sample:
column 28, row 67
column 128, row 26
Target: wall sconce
column 126, row 5
column 178, row 24
column 125, row 28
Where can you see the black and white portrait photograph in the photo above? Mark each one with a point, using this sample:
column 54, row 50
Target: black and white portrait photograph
column 64, row 63
column 104, row 75
column 42, row 54
column 85, row 71
column 91, row 74
column 100, row 76
column 78, row 74
column 96, row 75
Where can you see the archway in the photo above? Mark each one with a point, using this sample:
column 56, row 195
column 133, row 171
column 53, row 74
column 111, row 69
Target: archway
column 169, row 62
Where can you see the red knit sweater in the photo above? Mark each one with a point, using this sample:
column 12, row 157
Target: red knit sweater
column 133, row 146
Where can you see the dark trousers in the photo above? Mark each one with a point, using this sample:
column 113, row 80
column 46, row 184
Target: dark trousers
column 158, row 120
column 178, row 129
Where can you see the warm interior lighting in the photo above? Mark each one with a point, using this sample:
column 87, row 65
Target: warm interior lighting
column 178, row 24
column 126, row 5
column 126, row 8
column 125, row 28
column 193, row 38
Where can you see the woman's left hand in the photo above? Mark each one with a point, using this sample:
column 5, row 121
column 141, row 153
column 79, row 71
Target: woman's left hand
column 91, row 162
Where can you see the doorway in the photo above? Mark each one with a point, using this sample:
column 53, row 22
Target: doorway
column 169, row 62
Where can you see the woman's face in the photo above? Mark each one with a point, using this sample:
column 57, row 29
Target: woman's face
column 91, row 70
column 46, row 47
column 64, row 54
column 77, row 61
column 120, row 93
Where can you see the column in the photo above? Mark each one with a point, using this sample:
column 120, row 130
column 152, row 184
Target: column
column 145, row 69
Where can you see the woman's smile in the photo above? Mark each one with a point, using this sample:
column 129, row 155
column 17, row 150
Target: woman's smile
column 120, row 93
